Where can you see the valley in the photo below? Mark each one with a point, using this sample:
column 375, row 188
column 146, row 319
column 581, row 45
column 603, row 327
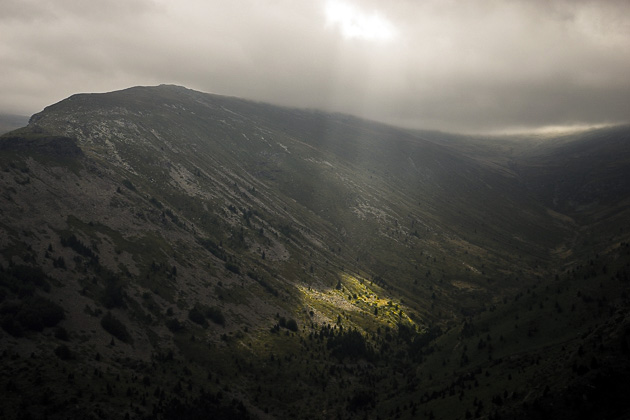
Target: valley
column 167, row 253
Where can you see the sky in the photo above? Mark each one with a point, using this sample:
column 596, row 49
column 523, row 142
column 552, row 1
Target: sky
column 452, row 65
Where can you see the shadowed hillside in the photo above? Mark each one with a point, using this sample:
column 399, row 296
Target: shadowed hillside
column 166, row 252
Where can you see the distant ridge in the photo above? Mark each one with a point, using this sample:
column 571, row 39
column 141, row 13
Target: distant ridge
column 9, row 122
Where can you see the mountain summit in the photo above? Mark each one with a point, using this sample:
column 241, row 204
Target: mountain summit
column 170, row 253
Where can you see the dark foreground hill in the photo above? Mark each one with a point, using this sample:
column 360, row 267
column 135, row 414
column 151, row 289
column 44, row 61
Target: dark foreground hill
column 168, row 253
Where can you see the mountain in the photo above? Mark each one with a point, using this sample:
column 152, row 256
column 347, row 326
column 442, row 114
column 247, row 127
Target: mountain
column 9, row 122
column 167, row 252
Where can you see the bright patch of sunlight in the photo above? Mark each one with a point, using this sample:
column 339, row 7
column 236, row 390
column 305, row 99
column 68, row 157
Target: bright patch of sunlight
column 355, row 23
column 364, row 305
column 369, row 296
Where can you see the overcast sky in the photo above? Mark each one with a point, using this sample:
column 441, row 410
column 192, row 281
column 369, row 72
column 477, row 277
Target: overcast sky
column 465, row 65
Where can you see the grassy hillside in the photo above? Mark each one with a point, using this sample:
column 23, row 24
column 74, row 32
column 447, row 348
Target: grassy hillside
column 166, row 253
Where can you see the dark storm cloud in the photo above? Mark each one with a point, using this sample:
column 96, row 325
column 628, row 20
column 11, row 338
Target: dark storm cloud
column 452, row 65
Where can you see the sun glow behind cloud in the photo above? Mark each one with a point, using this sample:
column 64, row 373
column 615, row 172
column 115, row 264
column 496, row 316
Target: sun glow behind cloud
column 358, row 24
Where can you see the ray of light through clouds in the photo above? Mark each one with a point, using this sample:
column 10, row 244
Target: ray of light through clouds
column 355, row 23
column 475, row 65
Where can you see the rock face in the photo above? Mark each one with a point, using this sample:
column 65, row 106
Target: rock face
column 166, row 252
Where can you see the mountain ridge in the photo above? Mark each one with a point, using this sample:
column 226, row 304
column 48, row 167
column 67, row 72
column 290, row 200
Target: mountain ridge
column 10, row 122
column 206, row 233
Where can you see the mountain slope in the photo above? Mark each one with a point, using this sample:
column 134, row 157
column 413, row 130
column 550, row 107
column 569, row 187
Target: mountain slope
column 279, row 146
column 203, row 254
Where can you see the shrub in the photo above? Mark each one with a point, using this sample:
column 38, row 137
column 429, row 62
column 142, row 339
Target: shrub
column 49, row 312
column 113, row 296
column 263, row 282
column 115, row 327
column 174, row 325
column 348, row 344
column 61, row 333
column 213, row 248
column 233, row 268
column 156, row 203
column 64, row 353
column 197, row 316
column 79, row 247
column 22, row 280
column 59, row 263
column 128, row 184
column 33, row 314
column 292, row 325
column 10, row 325
column 361, row 400
column 199, row 313
column 215, row 315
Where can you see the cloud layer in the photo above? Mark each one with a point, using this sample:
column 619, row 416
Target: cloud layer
column 478, row 65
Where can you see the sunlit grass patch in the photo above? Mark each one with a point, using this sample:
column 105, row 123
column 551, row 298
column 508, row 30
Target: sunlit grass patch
column 355, row 302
